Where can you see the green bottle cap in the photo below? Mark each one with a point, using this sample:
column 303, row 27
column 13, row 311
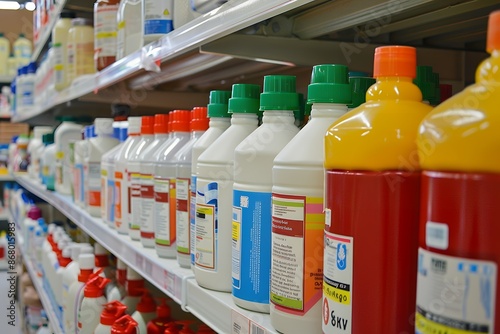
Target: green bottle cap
column 436, row 97
column 244, row 99
column 48, row 139
column 217, row 107
column 279, row 93
column 299, row 114
column 359, row 86
column 1, row 34
column 329, row 84
column 424, row 81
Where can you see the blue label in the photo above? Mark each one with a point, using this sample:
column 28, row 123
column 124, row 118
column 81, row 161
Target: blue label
column 251, row 253
column 111, row 201
column 341, row 256
column 158, row 27
column 192, row 218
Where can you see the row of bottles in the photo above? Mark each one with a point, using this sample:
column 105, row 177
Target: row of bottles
column 13, row 57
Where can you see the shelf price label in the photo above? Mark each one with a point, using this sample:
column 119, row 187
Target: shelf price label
column 242, row 325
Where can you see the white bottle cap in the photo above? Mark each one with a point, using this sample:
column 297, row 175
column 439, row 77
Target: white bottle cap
column 87, row 249
column 52, row 228
column 103, row 126
column 61, row 244
column 132, row 275
column 99, row 250
column 67, row 252
column 134, row 125
column 86, row 261
column 75, row 252
column 120, row 265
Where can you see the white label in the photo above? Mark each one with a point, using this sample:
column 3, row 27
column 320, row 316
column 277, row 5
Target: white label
column 337, row 283
column 436, row 235
column 236, row 248
column 243, row 325
column 147, row 205
column 162, row 211
column 94, row 176
column 135, row 201
column 159, row 9
column 105, row 30
column 182, row 214
column 58, row 64
column 455, row 295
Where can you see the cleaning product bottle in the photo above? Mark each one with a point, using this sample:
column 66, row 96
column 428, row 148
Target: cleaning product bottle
column 145, row 312
column 48, row 162
column 182, row 160
column 102, row 260
column 105, row 30
column 252, row 192
column 158, row 19
column 124, row 325
column 134, row 287
column 371, row 163
column 134, row 170
column 97, row 146
column 59, row 46
column 111, row 313
column 164, row 184
column 220, row 120
column 92, row 305
column 118, row 291
column 68, row 130
column 79, row 149
column 34, row 213
column 73, row 301
column 63, row 261
column 22, row 49
column 33, row 149
column 121, row 198
column 147, row 169
column 297, row 208
column 214, row 192
column 359, row 86
column 4, row 54
column 130, row 28
column 458, row 287
column 28, row 92
column 159, row 324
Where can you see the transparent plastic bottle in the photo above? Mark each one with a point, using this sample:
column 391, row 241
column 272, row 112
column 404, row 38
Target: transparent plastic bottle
column 60, row 34
column 105, row 31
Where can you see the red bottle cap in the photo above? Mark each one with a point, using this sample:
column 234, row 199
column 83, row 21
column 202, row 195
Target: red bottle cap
column 180, row 120
column 121, row 276
column 101, row 261
column 95, row 287
column 493, row 34
column 199, row 119
column 135, row 288
column 64, row 261
column 147, row 303
column 112, row 312
column 163, row 310
column 395, row 61
column 147, row 125
column 124, row 325
column 161, row 123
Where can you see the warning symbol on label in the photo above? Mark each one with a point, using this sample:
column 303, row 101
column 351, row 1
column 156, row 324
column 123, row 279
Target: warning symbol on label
column 326, row 311
column 341, row 256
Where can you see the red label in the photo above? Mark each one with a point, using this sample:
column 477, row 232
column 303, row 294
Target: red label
column 161, row 197
column 148, row 191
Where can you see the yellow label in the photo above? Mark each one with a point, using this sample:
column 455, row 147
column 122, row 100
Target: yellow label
column 107, row 34
column 58, row 67
column 236, row 231
column 104, row 172
column 121, row 24
column 426, row 326
column 204, row 210
column 60, row 155
column 337, row 295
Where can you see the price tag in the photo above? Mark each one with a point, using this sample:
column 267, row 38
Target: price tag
column 243, row 325
column 148, row 267
column 139, row 261
column 170, row 282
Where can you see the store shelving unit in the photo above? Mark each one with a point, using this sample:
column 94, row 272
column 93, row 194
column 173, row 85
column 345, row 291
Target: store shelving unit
column 216, row 309
column 6, row 177
column 44, row 37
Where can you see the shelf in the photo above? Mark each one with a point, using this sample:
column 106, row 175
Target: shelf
column 47, row 30
column 6, row 177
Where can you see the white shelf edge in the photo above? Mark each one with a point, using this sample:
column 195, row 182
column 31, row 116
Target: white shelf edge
column 165, row 274
column 7, row 177
column 42, row 41
column 6, row 79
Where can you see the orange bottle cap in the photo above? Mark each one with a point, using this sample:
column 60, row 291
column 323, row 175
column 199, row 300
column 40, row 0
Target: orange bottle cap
column 395, row 61
column 161, row 123
column 180, row 120
column 199, row 119
column 493, row 35
column 147, row 125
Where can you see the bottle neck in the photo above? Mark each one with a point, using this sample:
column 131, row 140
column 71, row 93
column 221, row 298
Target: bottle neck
column 197, row 134
column 219, row 122
column 394, row 88
column 244, row 119
column 327, row 110
column 278, row 116
column 489, row 69
column 161, row 135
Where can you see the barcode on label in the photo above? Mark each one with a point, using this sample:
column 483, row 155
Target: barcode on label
column 436, row 235
column 254, row 329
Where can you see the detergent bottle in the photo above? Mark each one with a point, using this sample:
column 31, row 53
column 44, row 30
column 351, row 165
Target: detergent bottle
column 112, row 312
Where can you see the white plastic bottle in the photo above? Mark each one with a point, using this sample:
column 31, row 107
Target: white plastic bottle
column 97, row 146
column 21, row 75
column 102, row 261
column 145, row 312
column 220, row 120
column 4, row 54
column 108, row 177
column 158, row 19
column 118, row 291
column 298, row 189
column 130, row 28
column 135, row 289
column 33, row 149
column 68, row 130
column 64, row 261
column 252, row 189
column 89, row 313
column 59, row 46
column 214, row 192
column 182, row 160
column 28, row 91
column 112, row 311
column 147, row 169
column 78, row 173
column 75, row 294
column 134, row 170
column 164, row 184
column 22, row 48
column 122, row 175
column 48, row 162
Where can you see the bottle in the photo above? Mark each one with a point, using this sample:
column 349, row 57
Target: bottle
column 11, row 67
column 4, row 54
column 134, row 287
column 102, row 261
column 220, row 120
column 118, row 291
column 92, row 305
column 458, row 253
column 112, row 311
column 80, row 50
column 297, row 208
column 159, row 324
column 145, row 312
column 48, row 162
column 147, row 169
column 34, row 213
column 33, row 146
column 252, row 192
column 134, row 170
column 214, row 192
column 121, row 195
column 370, row 162
column 60, row 34
column 359, row 86
column 158, row 19
column 63, row 261
column 75, row 293
column 21, row 161
column 105, row 13
column 182, row 159
column 130, row 28
column 28, row 90
column 68, row 130
column 79, row 149
column 124, row 325
column 164, row 184
column 97, row 146
column 21, row 75
column 22, row 48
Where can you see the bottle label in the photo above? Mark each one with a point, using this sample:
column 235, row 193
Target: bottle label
column 135, row 201
column 192, row 217
column 83, row 59
column 94, row 183
column 455, row 295
column 182, row 198
column 337, row 283
column 118, row 199
column 104, row 196
column 105, row 30
column 28, row 93
column 206, row 233
column 296, row 284
column 251, row 245
column 147, row 206
column 165, row 230
column 158, row 17
column 58, row 64
column 78, row 180
column 111, row 201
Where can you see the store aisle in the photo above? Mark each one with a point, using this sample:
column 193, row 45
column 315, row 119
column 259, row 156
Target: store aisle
column 9, row 318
